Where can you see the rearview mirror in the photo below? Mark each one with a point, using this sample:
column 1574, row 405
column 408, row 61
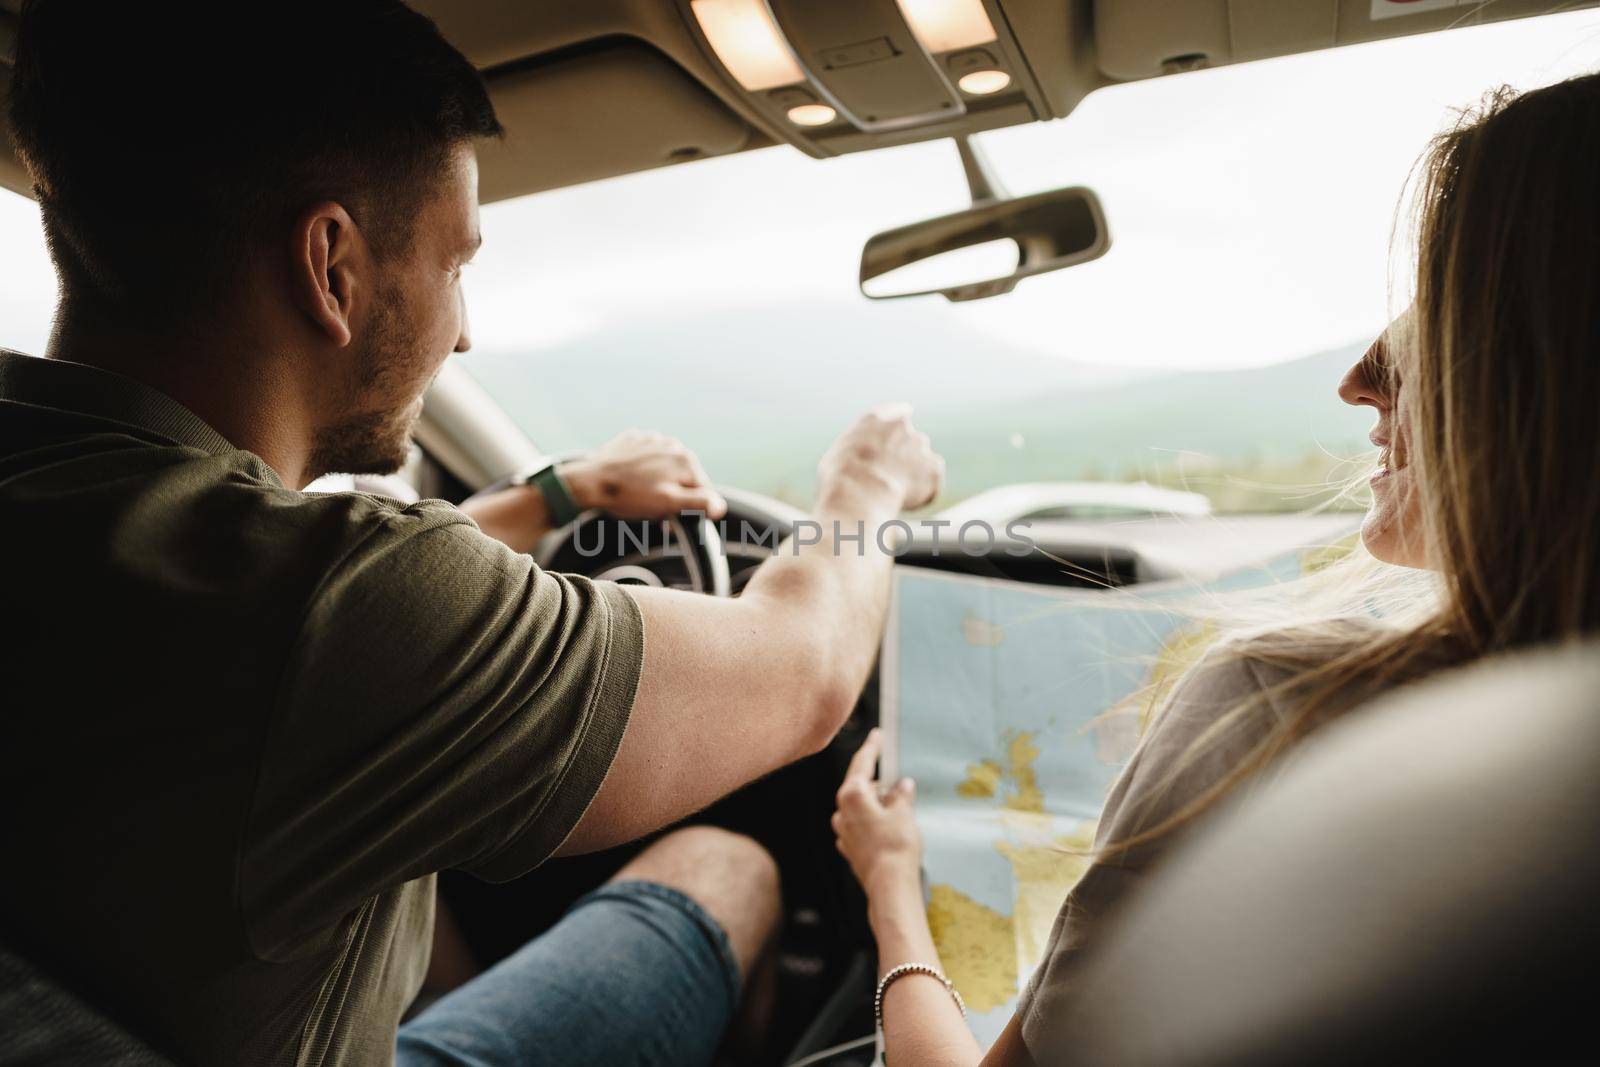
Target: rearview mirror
column 987, row 249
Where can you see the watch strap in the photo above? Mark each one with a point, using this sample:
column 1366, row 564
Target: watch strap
column 557, row 497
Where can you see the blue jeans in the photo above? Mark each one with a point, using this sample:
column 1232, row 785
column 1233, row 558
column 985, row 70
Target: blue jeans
column 634, row 973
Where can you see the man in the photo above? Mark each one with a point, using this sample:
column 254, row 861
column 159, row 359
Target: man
column 245, row 725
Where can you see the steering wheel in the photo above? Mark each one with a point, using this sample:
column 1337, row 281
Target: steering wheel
column 639, row 552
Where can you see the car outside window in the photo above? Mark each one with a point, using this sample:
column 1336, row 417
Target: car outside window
column 1251, row 211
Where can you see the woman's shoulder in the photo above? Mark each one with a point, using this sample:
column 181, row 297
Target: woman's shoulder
column 1223, row 713
column 1217, row 717
column 1266, row 669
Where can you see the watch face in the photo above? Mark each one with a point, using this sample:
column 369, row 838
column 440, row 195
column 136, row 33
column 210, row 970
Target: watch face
column 528, row 474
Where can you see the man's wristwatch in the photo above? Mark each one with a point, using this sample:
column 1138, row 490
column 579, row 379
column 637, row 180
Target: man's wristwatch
column 544, row 477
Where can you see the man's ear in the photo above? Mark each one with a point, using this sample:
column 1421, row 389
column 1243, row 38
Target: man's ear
column 328, row 263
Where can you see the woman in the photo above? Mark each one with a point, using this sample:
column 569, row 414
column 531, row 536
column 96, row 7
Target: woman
column 1482, row 536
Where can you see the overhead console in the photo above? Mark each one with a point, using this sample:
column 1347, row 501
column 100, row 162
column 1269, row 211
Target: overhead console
column 590, row 89
column 838, row 76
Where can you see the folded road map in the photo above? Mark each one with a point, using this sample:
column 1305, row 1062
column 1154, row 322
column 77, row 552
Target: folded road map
column 1014, row 706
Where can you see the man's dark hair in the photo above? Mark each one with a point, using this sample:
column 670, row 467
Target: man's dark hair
column 169, row 142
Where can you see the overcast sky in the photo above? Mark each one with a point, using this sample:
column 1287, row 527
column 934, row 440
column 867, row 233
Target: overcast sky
column 1250, row 209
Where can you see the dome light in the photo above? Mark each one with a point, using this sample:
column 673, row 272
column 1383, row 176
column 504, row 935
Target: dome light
column 984, row 82
column 749, row 43
column 945, row 25
column 812, row 115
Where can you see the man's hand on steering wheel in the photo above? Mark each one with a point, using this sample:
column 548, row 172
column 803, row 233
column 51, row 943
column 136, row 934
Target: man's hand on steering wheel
column 635, row 475
column 642, row 475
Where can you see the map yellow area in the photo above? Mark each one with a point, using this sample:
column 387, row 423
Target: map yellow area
column 982, row 780
column 1021, row 752
column 1046, row 868
column 984, row 951
column 976, row 946
column 985, row 777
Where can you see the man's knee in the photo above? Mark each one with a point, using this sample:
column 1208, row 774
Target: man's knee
column 696, row 855
column 729, row 875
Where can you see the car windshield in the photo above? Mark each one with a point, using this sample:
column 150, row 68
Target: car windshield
column 1252, row 211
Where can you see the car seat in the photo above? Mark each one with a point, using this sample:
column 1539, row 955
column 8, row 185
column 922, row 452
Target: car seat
column 1419, row 885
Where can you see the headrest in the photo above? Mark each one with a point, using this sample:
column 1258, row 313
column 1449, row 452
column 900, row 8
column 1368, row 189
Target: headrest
column 1418, row 885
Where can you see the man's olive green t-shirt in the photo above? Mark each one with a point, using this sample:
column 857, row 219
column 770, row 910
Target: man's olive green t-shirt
column 244, row 726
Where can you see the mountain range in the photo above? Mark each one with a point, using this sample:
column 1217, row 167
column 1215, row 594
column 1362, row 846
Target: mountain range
column 760, row 392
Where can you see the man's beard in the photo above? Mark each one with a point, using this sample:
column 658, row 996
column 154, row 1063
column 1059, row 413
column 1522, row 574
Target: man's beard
column 374, row 443
column 376, row 436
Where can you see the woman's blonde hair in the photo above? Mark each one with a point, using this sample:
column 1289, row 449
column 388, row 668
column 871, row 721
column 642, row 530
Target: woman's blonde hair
column 1499, row 360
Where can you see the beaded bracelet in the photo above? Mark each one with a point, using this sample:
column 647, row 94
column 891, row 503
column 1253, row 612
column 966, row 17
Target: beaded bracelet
column 912, row 968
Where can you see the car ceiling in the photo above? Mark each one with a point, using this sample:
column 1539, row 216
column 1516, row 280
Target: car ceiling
column 591, row 89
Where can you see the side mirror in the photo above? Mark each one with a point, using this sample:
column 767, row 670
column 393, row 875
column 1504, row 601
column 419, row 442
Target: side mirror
column 987, row 249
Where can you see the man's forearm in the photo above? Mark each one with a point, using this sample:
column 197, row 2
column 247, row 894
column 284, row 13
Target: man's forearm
column 516, row 517
column 732, row 689
column 836, row 591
